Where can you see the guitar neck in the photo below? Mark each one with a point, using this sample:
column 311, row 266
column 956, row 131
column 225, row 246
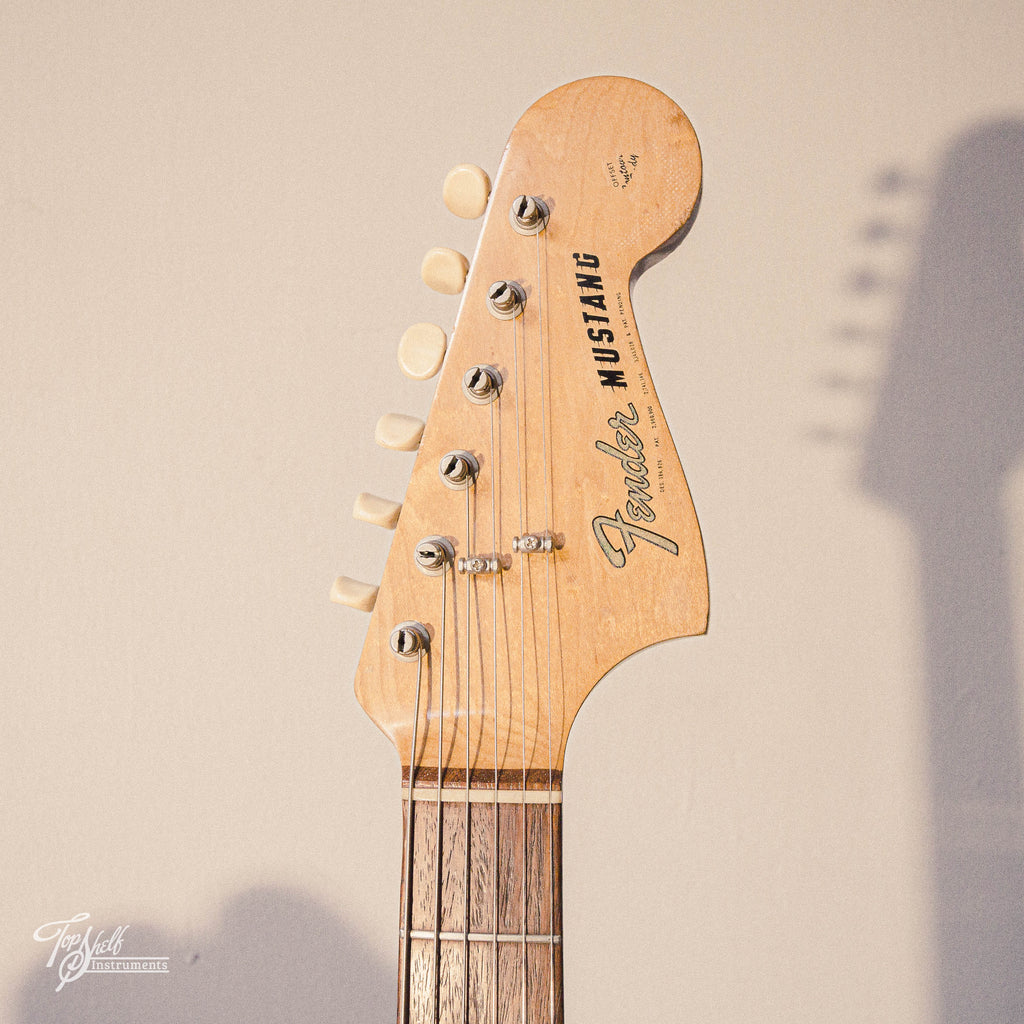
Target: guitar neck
column 480, row 934
column 547, row 534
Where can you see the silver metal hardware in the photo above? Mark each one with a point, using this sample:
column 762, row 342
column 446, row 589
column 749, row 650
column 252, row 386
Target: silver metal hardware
column 506, row 299
column 534, row 543
column 479, row 565
column 409, row 640
column 433, row 555
column 458, row 470
column 483, row 936
column 528, row 215
column 481, row 384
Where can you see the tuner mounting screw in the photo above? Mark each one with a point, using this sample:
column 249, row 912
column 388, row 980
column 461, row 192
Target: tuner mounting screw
column 409, row 640
column 481, row 384
column 458, row 470
column 506, row 300
column 433, row 555
column 528, row 215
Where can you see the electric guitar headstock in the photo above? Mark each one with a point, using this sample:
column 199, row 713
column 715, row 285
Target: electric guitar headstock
column 548, row 530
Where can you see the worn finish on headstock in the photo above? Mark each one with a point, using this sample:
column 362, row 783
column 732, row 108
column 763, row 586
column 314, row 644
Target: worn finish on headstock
column 575, row 445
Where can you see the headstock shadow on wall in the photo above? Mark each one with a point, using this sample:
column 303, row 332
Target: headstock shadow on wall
column 946, row 431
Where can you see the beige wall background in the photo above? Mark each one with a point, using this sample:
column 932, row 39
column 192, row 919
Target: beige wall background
column 213, row 216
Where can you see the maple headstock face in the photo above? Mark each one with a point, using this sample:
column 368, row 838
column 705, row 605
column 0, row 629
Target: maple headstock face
column 574, row 451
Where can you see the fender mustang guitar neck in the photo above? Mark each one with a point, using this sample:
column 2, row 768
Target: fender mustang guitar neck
column 547, row 533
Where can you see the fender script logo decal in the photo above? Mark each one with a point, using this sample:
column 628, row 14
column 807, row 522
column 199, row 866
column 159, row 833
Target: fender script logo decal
column 629, row 452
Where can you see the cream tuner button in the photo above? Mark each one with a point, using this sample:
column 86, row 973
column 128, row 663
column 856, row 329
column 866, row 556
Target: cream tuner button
column 466, row 189
column 421, row 351
column 378, row 511
column 361, row 596
column 401, row 433
column 444, row 270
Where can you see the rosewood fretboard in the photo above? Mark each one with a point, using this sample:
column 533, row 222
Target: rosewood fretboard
column 462, row 940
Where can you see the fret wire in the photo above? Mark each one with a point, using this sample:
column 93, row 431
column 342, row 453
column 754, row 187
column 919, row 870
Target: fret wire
column 483, row 936
column 478, row 796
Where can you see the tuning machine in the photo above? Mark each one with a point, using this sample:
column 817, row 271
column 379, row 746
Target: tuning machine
column 399, row 432
column 354, row 594
column 408, row 640
column 528, row 215
column 506, row 299
column 466, row 191
column 444, row 270
column 433, row 555
column 421, row 351
column 368, row 508
column 459, row 470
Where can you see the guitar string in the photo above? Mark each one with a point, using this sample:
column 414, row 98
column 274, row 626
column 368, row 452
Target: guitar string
column 465, row 940
column 515, row 367
column 466, row 931
column 469, row 655
column 437, row 842
column 495, row 478
column 407, row 895
column 521, row 416
column 524, row 568
column 524, row 496
column 548, row 484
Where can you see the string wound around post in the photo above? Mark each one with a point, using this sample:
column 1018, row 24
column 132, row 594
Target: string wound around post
column 409, row 640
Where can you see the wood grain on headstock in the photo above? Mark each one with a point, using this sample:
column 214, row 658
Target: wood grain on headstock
column 580, row 447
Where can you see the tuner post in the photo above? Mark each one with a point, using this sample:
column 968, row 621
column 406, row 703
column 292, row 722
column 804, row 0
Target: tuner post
column 528, row 215
column 458, row 470
column 409, row 640
column 481, row 384
column 433, row 555
column 506, row 300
